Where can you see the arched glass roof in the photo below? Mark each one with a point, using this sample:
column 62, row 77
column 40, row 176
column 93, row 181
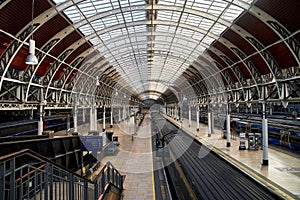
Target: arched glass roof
column 152, row 42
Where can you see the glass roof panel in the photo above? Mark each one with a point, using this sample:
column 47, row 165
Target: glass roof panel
column 159, row 44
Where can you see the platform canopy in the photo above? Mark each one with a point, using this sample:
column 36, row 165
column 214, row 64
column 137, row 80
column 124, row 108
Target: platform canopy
column 205, row 51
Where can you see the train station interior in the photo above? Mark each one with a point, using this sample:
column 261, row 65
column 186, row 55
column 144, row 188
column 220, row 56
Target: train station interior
column 149, row 99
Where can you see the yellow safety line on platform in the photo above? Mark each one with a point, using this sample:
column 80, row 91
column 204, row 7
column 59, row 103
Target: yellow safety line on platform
column 153, row 183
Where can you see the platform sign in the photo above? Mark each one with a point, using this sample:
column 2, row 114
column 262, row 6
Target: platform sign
column 92, row 143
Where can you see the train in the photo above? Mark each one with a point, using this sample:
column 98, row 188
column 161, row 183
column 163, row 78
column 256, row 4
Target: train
column 55, row 123
column 283, row 133
column 30, row 127
column 283, row 128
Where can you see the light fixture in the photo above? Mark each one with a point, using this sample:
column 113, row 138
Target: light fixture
column 31, row 59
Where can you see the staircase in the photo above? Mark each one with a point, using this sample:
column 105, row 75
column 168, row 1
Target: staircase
column 28, row 175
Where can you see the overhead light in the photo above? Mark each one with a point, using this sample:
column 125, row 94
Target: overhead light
column 31, row 58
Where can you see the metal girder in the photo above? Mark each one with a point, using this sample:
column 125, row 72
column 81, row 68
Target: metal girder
column 250, row 66
column 276, row 70
column 47, row 80
column 269, row 60
column 13, row 48
column 42, row 54
column 61, row 82
column 240, row 77
column 20, row 39
column 201, row 65
column 30, row 71
column 102, row 15
column 280, row 30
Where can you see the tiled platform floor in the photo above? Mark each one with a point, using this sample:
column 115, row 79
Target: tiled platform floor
column 133, row 157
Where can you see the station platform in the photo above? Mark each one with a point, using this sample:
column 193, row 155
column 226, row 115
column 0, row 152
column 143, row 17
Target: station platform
column 134, row 159
column 283, row 169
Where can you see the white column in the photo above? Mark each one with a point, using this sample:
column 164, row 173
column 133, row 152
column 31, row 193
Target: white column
column 40, row 122
column 124, row 112
column 83, row 115
column 178, row 113
column 190, row 116
column 104, row 120
column 175, row 112
column 181, row 112
column 209, row 123
column 92, row 118
column 212, row 122
column 75, row 117
column 120, row 115
column 265, row 160
column 111, row 117
column 95, row 118
column 197, row 117
column 228, row 127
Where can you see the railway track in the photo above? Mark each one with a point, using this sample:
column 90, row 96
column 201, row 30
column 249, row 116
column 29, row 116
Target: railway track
column 209, row 177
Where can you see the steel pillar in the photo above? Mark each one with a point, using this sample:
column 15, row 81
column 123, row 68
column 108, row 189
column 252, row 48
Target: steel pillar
column 265, row 160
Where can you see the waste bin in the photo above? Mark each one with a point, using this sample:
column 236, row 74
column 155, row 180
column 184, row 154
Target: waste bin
column 109, row 135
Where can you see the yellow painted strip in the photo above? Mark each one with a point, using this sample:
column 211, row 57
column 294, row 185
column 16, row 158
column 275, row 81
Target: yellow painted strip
column 153, row 183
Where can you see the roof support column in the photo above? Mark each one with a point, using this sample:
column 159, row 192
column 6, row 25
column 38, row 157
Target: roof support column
column 111, row 117
column 75, row 113
column 265, row 160
column 228, row 127
column 175, row 112
column 209, row 124
column 124, row 113
column 178, row 113
column 197, row 117
column 92, row 118
column 119, row 119
column 190, row 116
column 104, row 120
column 40, row 122
column 95, row 118
column 172, row 112
column 83, row 115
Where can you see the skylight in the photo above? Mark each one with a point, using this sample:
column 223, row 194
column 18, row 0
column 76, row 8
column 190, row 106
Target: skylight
column 154, row 44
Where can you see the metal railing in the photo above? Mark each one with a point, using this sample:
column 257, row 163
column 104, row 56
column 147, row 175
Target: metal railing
column 28, row 175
